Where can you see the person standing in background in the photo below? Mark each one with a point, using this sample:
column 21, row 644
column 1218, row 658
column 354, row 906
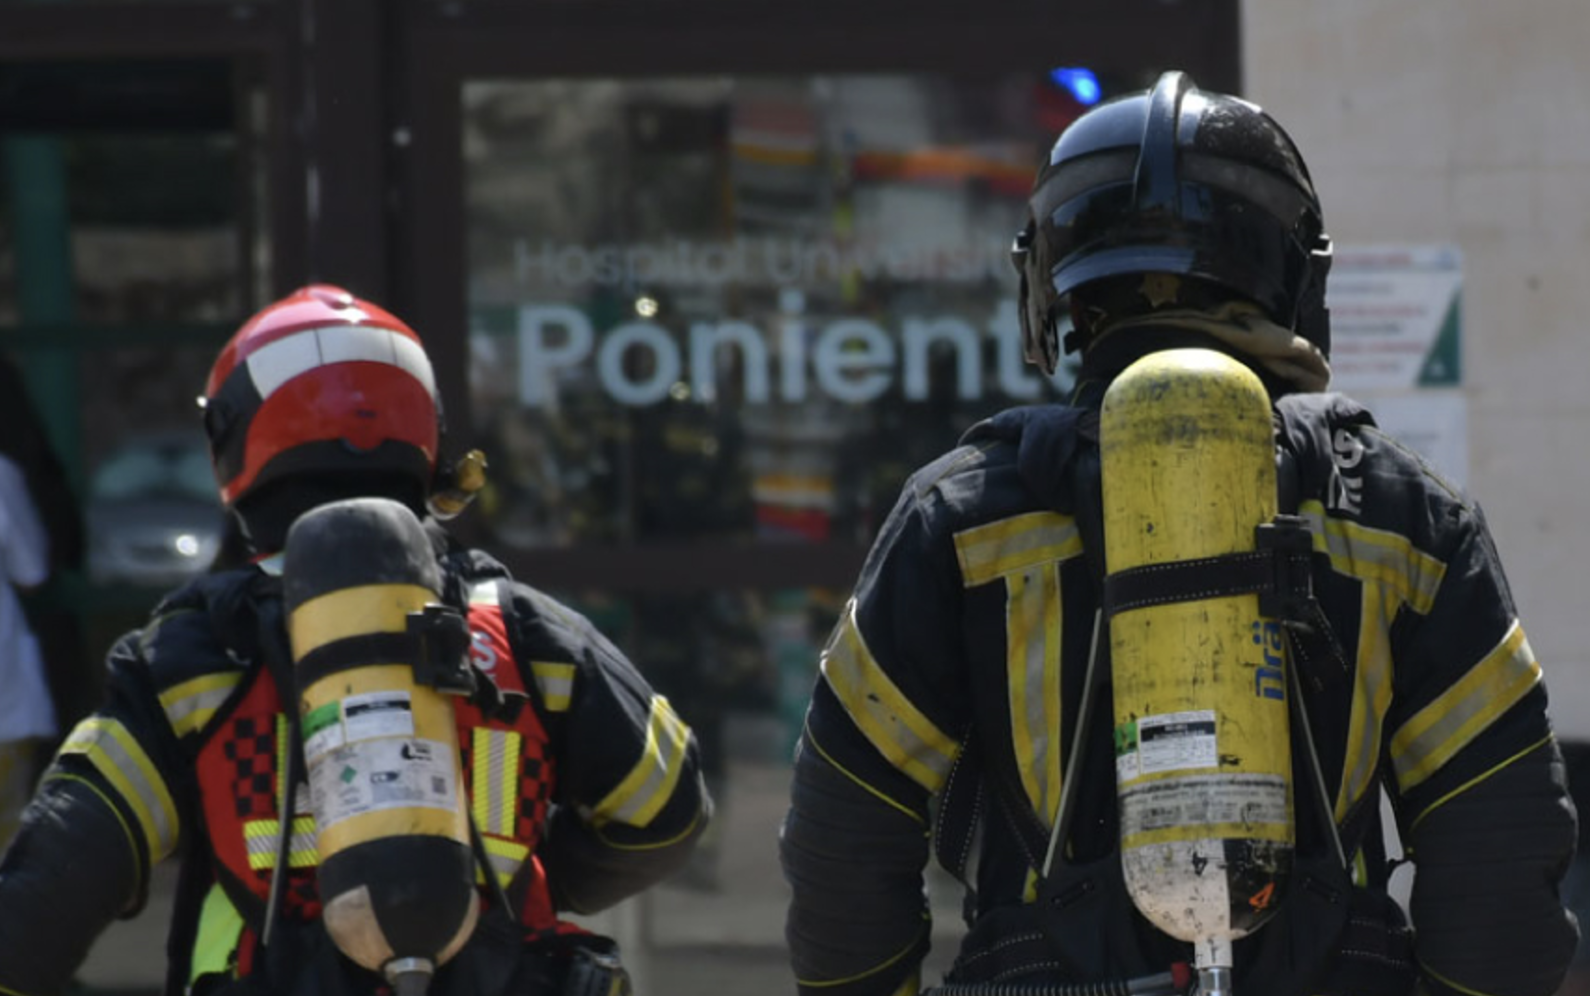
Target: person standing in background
column 52, row 608
column 27, row 714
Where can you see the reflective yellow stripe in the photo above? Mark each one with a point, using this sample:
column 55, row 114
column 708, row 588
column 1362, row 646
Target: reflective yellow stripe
column 259, row 840
column 192, row 704
column 1371, row 698
column 874, row 970
column 555, row 682
column 219, row 930
column 688, row 830
column 1015, row 544
column 1378, row 556
column 1477, row 779
column 1393, row 573
column 900, row 732
column 506, row 857
column 911, row 985
column 116, row 755
column 494, row 780
column 282, row 733
column 1424, row 967
column 810, row 740
column 1462, row 712
column 647, row 787
column 1024, row 550
column 1033, row 630
column 114, row 810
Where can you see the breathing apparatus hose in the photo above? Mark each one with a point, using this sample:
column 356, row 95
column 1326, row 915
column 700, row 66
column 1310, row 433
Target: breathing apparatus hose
column 1164, row 984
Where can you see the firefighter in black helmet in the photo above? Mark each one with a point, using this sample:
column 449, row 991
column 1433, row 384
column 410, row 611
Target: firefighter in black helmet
column 942, row 724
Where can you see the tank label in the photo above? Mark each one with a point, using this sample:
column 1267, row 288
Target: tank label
column 355, row 718
column 377, row 714
column 1204, row 800
column 1172, row 741
column 382, row 774
column 322, row 728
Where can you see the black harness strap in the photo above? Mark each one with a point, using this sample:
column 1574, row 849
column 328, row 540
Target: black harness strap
column 278, row 658
column 435, row 644
column 955, row 825
column 1277, row 571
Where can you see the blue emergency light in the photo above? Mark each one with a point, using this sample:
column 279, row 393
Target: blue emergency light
column 1079, row 82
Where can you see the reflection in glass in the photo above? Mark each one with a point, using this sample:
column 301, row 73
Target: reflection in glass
column 740, row 307
column 132, row 223
column 152, row 511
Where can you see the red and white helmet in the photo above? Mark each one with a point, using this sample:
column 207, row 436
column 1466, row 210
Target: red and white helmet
column 321, row 383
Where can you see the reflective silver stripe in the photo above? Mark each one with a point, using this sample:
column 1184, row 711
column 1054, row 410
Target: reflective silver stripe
column 647, row 787
column 1371, row 696
column 192, row 704
column 1377, row 556
column 1393, row 573
column 900, row 731
column 494, row 782
column 1033, row 630
column 113, row 751
column 1025, row 550
column 505, row 856
column 555, row 682
column 260, row 838
column 484, row 593
column 1461, row 713
column 1010, row 545
column 278, row 362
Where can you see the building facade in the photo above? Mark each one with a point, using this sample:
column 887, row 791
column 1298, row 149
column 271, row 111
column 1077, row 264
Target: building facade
column 1465, row 126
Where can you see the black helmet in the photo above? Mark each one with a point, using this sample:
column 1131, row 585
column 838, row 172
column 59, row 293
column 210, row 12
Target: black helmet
column 1174, row 180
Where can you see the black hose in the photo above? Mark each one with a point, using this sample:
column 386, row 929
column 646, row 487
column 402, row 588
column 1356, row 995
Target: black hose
column 1163, row 984
column 278, row 660
column 1027, row 989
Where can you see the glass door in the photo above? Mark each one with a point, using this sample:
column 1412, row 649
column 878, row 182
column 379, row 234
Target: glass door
column 728, row 276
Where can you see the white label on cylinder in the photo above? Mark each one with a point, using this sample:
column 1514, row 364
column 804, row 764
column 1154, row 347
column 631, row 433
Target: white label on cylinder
column 383, row 774
column 1176, row 741
column 377, row 714
column 1245, row 800
column 327, row 738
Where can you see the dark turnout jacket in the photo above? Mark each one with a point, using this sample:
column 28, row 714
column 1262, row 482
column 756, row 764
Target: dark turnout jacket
column 583, row 786
column 971, row 622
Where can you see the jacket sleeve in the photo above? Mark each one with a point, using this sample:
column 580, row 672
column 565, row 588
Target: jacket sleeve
column 104, row 814
column 1481, row 796
column 881, row 734
column 630, row 802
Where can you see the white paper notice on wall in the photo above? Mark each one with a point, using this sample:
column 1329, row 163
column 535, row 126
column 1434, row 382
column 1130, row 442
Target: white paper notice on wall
column 1397, row 345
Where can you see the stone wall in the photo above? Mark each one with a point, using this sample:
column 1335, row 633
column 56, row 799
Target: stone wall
column 1468, row 122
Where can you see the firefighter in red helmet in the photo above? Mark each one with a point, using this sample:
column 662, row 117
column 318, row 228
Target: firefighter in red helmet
column 578, row 785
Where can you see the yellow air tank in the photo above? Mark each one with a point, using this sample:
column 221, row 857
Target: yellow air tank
column 396, row 875
column 1203, row 755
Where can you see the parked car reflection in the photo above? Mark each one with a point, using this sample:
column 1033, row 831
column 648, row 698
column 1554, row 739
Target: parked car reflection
column 152, row 511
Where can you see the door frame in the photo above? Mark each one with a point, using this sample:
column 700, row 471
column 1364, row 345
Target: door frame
column 324, row 68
